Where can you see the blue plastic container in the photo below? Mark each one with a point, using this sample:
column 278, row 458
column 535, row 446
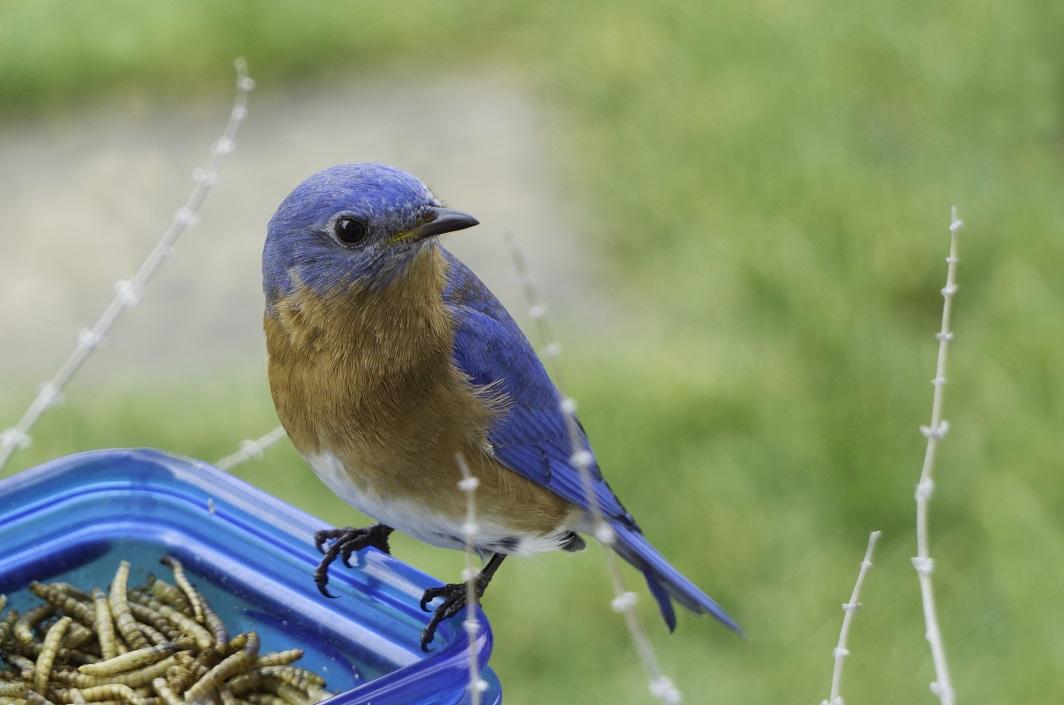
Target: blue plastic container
column 250, row 554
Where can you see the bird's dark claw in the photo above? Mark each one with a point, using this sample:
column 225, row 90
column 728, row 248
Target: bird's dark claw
column 455, row 599
column 327, row 535
column 344, row 543
column 321, row 576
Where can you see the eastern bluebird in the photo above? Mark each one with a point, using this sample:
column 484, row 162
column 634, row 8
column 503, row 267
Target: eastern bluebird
column 389, row 359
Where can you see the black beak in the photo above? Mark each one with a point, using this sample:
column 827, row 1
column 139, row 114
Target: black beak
column 445, row 221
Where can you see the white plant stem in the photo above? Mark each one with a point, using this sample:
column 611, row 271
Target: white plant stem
column 661, row 686
column 841, row 652
column 251, row 449
column 468, row 484
column 128, row 292
column 942, row 685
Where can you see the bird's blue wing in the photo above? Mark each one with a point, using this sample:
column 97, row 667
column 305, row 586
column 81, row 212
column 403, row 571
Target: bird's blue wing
column 532, row 438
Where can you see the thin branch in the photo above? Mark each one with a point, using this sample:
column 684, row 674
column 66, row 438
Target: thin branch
column 841, row 652
column 251, row 449
column 942, row 686
column 468, row 484
column 128, row 292
column 661, row 686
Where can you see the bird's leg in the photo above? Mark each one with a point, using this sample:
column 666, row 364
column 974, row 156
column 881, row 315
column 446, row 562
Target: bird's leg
column 455, row 598
column 345, row 542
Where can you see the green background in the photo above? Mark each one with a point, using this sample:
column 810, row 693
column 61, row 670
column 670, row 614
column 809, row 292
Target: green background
column 772, row 182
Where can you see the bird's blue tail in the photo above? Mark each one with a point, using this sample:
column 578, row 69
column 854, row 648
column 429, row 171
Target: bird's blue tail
column 665, row 582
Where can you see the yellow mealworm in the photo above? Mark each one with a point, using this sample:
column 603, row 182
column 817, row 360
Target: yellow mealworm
column 127, row 626
column 26, row 667
column 74, row 592
column 171, row 594
column 168, row 696
column 134, row 679
column 279, row 658
column 193, row 596
column 237, row 642
column 245, row 682
column 299, row 677
column 64, row 655
column 152, row 635
column 216, row 626
column 7, row 623
column 13, row 689
column 52, row 639
column 203, row 638
column 112, row 691
column 132, row 660
column 30, row 619
column 292, row 695
column 187, row 660
column 104, row 623
column 179, row 678
column 146, row 615
column 34, row 698
column 316, row 694
column 77, row 635
column 80, row 611
column 227, row 696
column 229, row 667
column 265, row 699
column 205, row 661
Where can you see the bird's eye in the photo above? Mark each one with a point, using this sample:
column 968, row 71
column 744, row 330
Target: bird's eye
column 350, row 230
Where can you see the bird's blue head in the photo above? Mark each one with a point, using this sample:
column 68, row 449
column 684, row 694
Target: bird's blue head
column 351, row 223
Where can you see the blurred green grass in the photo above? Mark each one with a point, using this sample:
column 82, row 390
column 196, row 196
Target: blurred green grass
column 772, row 181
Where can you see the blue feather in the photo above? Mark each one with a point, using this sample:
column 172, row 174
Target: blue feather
column 664, row 580
column 533, row 438
column 387, row 200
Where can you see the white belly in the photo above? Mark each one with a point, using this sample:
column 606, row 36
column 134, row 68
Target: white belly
column 418, row 519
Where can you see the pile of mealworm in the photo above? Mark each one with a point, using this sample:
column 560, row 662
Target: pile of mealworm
column 152, row 644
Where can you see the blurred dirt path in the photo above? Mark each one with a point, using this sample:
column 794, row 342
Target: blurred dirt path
column 84, row 198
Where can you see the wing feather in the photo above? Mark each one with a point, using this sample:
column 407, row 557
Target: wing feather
column 532, row 438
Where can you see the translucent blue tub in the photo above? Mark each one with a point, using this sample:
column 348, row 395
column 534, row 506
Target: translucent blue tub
column 250, row 554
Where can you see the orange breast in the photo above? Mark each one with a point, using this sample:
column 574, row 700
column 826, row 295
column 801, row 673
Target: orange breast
column 366, row 377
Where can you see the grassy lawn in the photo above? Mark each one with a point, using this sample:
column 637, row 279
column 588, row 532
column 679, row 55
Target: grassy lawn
column 772, row 182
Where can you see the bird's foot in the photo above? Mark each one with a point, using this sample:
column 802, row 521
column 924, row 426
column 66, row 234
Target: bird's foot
column 345, row 542
column 455, row 599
